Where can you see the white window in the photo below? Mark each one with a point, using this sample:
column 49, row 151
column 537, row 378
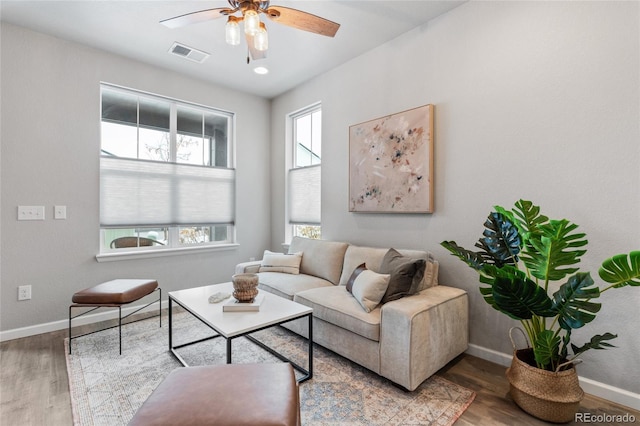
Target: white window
column 166, row 173
column 305, row 175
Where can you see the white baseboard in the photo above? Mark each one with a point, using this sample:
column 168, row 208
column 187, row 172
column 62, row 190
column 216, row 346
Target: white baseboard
column 601, row 390
column 102, row 314
column 489, row 355
column 611, row 393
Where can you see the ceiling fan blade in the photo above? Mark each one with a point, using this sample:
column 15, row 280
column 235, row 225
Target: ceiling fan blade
column 302, row 20
column 255, row 53
column 196, row 17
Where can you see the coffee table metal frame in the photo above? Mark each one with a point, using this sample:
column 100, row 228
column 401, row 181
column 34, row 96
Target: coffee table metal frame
column 307, row 373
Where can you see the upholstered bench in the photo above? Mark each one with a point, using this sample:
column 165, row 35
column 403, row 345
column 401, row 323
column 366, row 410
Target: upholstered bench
column 114, row 294
column 224, row 395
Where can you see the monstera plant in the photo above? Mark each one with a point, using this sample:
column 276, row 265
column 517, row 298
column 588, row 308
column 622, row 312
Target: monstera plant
column 521, row 254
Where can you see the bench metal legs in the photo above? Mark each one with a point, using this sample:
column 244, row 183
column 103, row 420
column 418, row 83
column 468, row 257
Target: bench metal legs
column 120, row 317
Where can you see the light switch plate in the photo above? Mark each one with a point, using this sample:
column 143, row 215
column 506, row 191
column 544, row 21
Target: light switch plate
column 60, row 212
column 30, row 212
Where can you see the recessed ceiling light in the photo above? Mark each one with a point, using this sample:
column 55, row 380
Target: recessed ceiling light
column 260, row 70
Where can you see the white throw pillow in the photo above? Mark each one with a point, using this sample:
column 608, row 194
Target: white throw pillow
column 280, row 262
column 369, row 287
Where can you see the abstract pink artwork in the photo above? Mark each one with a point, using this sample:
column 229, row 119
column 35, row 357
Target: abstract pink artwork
column 391, row 163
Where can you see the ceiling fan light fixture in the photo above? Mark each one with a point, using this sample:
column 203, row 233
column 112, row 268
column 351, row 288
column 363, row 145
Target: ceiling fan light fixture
column 255, row 31
column 261, row 38
column 232, row 31
column 251, row 22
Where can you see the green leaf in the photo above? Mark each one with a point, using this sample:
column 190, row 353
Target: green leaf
column 566, row 340
column 516, row 295
column 546, row 348
column 487, row 292
column 572, row 304
column 501, row 240
column 473, row 259
column 549, row 254
column 620, row 271
column 596, row 342
column 528, row 217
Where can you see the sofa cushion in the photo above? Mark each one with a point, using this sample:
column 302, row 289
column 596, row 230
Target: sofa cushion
column 369, row 287
column 406, row 275
column 320, row 258
column 334, row 305
column 372, row 257
column 286, row 285
column 430, row 274
column 357, row 255
column 280, row 262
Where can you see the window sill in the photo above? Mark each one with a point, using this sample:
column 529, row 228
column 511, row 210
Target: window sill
column 146, row 254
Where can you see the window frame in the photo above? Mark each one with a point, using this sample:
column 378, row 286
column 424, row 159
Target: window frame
column 106, row 253
column 292, row 119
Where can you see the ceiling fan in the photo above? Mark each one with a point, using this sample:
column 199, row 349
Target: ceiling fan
column 255, row 30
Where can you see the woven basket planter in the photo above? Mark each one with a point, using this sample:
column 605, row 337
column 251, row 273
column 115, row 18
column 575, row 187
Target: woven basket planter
column 549, row 396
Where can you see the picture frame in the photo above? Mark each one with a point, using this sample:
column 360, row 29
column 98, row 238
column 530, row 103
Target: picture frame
column 391, row 163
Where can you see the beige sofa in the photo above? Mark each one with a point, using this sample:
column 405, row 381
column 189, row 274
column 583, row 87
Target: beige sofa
column 405, row 340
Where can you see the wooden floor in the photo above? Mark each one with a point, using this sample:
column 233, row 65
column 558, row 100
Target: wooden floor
column 34, row 389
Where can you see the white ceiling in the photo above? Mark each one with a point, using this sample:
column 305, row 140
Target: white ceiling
column 132, row 29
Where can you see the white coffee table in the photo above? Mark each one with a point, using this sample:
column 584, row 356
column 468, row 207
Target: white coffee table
column 274, row 310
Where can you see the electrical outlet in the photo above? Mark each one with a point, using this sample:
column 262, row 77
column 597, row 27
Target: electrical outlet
column 24, row 292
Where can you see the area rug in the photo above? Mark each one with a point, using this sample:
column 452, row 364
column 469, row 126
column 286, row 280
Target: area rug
column 108, row 388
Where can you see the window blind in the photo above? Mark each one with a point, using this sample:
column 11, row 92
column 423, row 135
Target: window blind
column 147, row 193
column 304, row 195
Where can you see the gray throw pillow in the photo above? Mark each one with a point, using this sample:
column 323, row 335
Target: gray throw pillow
column 406, row 274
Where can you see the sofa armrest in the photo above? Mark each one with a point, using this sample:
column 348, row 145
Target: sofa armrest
column 420, row 334
column 248, row 267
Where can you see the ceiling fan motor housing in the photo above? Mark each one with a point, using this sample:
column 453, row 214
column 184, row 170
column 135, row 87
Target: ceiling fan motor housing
column 257, row 5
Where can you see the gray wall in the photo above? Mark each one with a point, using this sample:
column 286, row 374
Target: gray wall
column 533, row 100
column 50, row 156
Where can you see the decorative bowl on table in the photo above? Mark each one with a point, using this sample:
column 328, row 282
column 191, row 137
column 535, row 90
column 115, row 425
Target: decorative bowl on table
column 245, row 287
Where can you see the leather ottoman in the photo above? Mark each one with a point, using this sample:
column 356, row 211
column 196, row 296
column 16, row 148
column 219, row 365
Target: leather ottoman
column 224, row 395
column 115, row 292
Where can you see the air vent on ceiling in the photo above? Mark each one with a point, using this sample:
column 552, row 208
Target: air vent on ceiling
column 188, row 52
